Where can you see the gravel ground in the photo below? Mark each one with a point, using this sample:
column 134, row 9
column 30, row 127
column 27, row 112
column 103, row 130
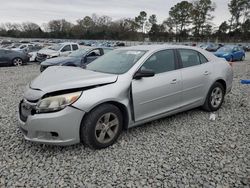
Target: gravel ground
column 185, row 150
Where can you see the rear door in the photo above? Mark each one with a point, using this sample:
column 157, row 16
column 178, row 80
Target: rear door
column 161, row 93
column 5, row 57
column 195, row 73
column 2, row 58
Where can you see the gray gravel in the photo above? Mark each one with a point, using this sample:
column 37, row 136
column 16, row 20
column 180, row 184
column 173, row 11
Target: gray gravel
column 185, row 150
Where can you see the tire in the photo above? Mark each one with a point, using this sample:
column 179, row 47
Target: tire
column 96, row 130
column 215, row 97
column 17, row 61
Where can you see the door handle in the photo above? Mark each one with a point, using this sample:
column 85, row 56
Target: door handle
column 206, row 73
column 174, row 81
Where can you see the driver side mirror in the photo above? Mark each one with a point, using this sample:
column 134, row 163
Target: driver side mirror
column 143, row 73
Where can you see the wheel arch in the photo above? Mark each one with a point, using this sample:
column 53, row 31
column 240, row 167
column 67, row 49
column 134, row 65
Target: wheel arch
column 120, row 106
column 222, row 82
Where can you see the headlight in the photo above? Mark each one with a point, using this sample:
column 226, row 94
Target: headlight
column 58, row 102
column 226, row 54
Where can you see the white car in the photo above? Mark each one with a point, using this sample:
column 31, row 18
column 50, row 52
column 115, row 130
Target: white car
column 22, row 47
column 61, row 49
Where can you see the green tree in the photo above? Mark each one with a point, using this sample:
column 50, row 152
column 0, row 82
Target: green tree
column 181, row 15
column 141, row 20
column 201, row 16
column 238, row 9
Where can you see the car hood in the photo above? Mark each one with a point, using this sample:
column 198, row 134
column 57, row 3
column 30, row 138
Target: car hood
column 48, row 52
column 57, row 78
column 60, row 60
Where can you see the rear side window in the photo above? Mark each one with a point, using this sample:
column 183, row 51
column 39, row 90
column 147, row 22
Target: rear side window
column 75, row 47
column 203, row 59
column 189, row 58
column 162, row 61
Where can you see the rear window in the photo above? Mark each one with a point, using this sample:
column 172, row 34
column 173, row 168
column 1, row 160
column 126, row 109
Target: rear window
column 75, row 47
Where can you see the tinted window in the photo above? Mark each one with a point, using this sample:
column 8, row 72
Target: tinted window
column 75, row 47
column 189, row 57
column 66, row 48
column 161, row 61
column 203, row 59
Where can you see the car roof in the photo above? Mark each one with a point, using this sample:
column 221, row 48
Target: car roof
column 158, row 47
column 153, row 48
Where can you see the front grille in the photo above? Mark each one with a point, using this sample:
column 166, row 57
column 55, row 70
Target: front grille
column 26, row 109
column 41, row 57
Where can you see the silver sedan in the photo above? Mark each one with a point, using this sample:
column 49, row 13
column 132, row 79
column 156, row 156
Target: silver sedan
column 120, row 90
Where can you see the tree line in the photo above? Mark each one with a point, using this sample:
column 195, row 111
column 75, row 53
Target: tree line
column 187, row 21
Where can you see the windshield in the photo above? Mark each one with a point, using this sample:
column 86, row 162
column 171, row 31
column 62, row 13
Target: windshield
column 56, row 47
column 79, row 53
column 225, row 49
column 116, row 62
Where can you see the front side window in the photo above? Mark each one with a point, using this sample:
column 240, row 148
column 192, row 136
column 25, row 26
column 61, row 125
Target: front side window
column 203, row 59
column 66, row 48
column 189, row 58
column 162, row 61
column 116, row 62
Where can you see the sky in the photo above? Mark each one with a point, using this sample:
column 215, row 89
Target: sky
column 41, row 11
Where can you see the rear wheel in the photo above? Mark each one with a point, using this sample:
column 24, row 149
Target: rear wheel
column 101, row 127
column 17, row 61
column 215, row 97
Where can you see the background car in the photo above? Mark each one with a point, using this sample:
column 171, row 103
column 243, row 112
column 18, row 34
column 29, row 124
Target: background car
column 211, row 47
column 78, row 58
column 11, row 57
column 122, row 89
column 61, row 49
column 231, row 53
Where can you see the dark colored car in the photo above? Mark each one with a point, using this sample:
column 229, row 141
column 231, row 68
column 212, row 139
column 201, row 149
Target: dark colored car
column 231, row 53
column 11, row 57
column 211, row 47
column 78, row 58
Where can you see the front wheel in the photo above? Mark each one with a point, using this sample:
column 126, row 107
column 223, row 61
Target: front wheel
column 214, row 98
column 17, row 61
column 101, row 127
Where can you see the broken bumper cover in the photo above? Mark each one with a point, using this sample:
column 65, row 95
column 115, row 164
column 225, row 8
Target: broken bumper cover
column 57, row 128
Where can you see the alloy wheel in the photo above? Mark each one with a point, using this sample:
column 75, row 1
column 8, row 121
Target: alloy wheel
column 216, row 97
column 106, row 128
column 17, row 62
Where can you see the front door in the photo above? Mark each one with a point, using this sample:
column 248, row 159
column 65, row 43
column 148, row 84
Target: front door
column 160, row 93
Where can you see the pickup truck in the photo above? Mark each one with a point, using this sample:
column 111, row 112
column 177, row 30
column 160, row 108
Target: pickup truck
column 61, row 49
